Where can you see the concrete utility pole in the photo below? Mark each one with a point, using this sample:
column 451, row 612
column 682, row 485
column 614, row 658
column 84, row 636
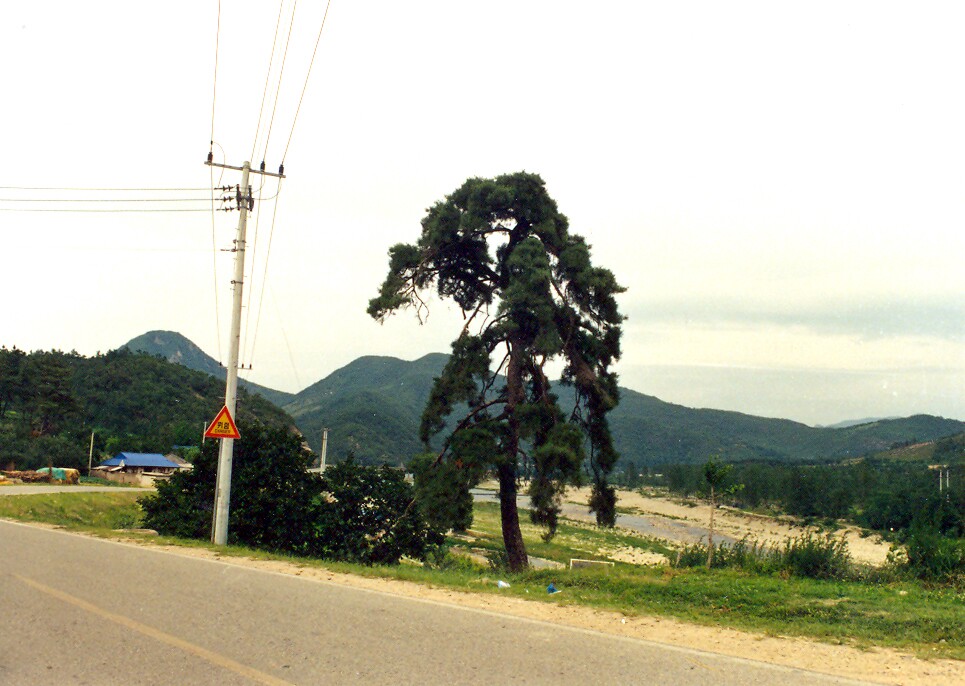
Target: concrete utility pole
column 222, row 494
column 321, row 463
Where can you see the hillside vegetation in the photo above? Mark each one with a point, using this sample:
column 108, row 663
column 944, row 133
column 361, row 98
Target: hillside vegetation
column 52, row 401
column 372, row 407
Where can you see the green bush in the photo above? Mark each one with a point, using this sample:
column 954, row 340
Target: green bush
column 933, row 557
column 368, row 514
column 353, row 512
column 814, row 557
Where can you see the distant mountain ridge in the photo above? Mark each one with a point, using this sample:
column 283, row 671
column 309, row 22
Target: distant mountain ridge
column 175, row 348
column 373, row 405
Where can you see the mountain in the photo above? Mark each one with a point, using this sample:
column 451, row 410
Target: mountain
column 373, row 405
column 175, row 348
column 650, row 431
column 854, row 422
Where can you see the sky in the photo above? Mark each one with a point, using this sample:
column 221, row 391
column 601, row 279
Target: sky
column 779, row 186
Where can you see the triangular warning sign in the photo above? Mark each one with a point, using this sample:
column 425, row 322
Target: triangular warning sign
column 223, row 426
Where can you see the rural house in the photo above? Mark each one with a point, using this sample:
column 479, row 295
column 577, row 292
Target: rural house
column 137, row 468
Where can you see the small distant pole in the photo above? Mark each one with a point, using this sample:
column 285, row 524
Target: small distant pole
column 90, row 454
column 321, row 464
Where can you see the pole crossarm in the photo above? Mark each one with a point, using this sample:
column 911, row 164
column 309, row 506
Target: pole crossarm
column 279, row 175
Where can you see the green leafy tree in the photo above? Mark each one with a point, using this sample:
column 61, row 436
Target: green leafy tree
column 502, row 251
column 715, row 474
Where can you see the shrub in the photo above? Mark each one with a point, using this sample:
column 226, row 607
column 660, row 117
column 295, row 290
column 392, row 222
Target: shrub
column 933, row 557
column 271, row 493
column 816, row 557
column 368, row 515
column 353, row 513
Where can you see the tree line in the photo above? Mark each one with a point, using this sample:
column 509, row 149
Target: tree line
column 885, row 495
column 51, row 402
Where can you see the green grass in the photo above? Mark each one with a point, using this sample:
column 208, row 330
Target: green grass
column 77, row 511
column 573, row 539
column 904, row 615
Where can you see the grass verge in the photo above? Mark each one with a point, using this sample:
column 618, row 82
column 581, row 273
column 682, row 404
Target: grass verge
column 76, row 511
column 899, row 614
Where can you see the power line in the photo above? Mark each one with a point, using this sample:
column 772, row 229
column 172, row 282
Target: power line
column 108, row 210
column 264, row 93
column 214, row 88
column 264, row 277
column 88, row 188
column 104, row 200
column 281, row 74
column 254, row 255
column 305, row 86
column 214, row 249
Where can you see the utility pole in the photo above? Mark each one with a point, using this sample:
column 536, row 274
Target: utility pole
column 90, row 454
column 245, row 201
column 321, row 463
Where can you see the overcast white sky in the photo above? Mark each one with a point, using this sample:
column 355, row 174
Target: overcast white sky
column 780, row 186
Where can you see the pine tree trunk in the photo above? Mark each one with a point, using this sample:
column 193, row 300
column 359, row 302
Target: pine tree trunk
column 516, row 555
column 509, row 513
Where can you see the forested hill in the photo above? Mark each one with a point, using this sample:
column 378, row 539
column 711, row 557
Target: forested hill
column 372, row 406
column 175, row 348
column 51, row 401
column 648, row 430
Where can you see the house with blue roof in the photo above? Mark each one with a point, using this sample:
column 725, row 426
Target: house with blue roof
column 137, row 468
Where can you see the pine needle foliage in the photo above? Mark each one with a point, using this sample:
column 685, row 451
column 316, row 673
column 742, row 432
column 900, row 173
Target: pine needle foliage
column 530, row 295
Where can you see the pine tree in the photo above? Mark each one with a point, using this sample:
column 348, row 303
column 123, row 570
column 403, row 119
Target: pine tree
column 530, row 295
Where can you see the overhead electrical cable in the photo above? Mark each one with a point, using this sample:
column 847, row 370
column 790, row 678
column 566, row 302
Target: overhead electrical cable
column 251, row 284
column 214, row 87
column 214, row 251
column 264, row 278
column 89, row 188
column 120, row 200
column 281, row 74
column 264, row 93
column 305, row 86
column 108, row 210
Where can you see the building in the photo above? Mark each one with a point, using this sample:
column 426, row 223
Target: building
column 140, row 469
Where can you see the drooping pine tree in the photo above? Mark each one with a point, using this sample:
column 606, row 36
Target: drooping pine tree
column 530, row 295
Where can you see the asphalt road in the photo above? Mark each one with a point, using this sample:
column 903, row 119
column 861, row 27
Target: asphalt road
column 79, row 610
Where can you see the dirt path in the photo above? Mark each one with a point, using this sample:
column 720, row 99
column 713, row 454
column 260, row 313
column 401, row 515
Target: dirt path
column 667, row 515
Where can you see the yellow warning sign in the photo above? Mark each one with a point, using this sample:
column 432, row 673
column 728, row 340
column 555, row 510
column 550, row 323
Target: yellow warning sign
column 223, row 426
